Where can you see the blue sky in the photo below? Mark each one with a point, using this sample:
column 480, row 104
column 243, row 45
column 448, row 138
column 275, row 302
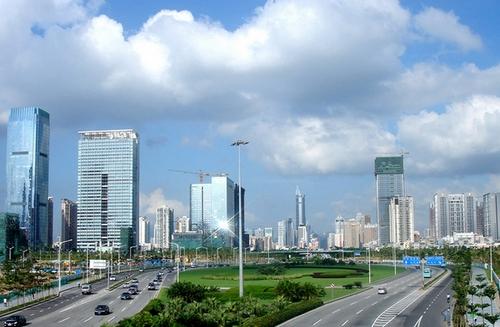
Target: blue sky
column 319, row 88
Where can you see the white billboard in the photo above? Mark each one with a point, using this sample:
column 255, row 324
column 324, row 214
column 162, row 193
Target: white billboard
column 97, row 264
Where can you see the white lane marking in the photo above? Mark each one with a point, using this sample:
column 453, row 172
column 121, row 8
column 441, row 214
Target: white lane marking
column 111, row 302
column 374, row 303
column 111, row 318
column 124, row 309
column 316, row 322
column 32, row 314
column 88, row 319
column 417, row 324
column 345, row 322
column 336, row 311
column 63, row 320
column 359, row 311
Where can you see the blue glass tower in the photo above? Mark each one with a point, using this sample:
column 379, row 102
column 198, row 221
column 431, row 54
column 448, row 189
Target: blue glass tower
column 28, row 172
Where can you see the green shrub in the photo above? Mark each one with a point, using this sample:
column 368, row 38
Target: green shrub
column 274, row 269
column 358, row 284
column 189, row 292
column 348, row 286
column 290, row 311
column 154, row 307
column 296, row 292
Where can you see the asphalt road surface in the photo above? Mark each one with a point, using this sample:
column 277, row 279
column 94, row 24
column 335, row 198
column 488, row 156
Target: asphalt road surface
column 368, row 308
column 74, row 309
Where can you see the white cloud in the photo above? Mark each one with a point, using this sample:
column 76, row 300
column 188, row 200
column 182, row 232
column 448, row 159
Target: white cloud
column 463, row 139
column 316, row 146
column 149, row 202
column 445, row 26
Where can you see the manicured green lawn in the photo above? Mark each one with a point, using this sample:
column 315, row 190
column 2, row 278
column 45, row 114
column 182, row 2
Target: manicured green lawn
column 264, row 289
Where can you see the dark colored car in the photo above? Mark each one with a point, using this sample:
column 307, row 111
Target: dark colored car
column 126, row 296
column 102, row 309
column 132, row 290
column 15, row 321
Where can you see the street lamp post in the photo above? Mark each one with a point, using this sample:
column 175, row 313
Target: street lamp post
column 10, row 252
column 178, row 250
column 88, row 263
column 24, row 251
column 238, row 144
column 59, row 245
column 69, row 259
column 491, row 261
column 130, row 255
column 369, row 267
column 394, row 256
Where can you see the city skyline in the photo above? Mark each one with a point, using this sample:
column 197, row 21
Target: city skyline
column 420, row 84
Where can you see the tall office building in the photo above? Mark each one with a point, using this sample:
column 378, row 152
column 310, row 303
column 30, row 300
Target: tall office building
column 491, row 209
column 302, row 239
column 480, row 218
column 401, row 215
column 223, row 203
column 237, row 212
column 300, row 209
column 50, row 220
column 339, row 232
column 108, row 189
column 352, row 234
column 454, row 213
column 28, row 172
column 68, row 223
column 143, row 231
column 432, row 222
column 164, row 227
column 268, row 232
column 389, row 179
column 286, row 233
column 200, row 207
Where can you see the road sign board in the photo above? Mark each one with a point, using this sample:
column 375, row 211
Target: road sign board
column 357, row 253
column 435, row 261
column 411, row 261
column 97, row 264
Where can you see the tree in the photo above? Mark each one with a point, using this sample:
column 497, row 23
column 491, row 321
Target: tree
column 296, row 292
column 490, row 292
column 492, row 318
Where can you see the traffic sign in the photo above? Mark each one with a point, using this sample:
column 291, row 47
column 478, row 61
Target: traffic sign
column 98, row 264
column 435, row 261
column 411, row 261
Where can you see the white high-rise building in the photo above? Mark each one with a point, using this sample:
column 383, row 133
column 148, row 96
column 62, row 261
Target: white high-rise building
column 108, row 189
column 182, row 224
column 164, row 227
column 491, row 215
column 144, row 237
column 302, row 239
column 401, row 215
column 454, row 213
column 286, row 233
column 339, row 232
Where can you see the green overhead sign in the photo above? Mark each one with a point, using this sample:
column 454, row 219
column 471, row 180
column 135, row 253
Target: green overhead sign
column 389, row 165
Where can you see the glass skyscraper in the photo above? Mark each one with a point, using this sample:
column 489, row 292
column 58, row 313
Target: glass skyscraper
column 201, row 206
column 108, row 188
column 389, row 178
column 27, row 166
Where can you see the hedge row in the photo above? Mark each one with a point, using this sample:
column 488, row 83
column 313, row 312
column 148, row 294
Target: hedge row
column 336, row 274
column 292, row 310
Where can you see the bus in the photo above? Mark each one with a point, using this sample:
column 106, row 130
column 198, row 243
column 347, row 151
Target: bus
column 427, row 273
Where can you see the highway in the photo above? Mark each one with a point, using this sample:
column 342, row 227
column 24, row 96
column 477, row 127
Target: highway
column 368, row 308
column 74, row 309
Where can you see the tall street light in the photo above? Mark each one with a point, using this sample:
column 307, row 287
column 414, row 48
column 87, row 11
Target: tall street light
column 24, row 251
column 130, row 254
column 59, row 245
column 178, row 268
column 238, row 144
column 10, row 252
column 217, row 259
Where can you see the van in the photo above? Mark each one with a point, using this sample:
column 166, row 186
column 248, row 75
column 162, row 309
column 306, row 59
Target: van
column 86, row 289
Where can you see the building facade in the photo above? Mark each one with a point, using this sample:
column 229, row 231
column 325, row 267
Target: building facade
column 144, row 237
column 50, row 221
column 300, row 212
column 68, row 223
column 183, row 224
column 27, row 172
column 491, row 209
column 389, row 180
column 286, row 234
column 108, row 188
column 401, row 214
column 200, row 207
column 352, row 234
column 12, row 238
column 164, row 227
column 454, row 213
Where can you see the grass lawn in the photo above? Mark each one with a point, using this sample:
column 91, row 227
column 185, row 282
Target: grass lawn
column 264, row 289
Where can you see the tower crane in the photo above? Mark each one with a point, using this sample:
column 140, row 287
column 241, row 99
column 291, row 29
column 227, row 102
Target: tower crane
column 201, row 174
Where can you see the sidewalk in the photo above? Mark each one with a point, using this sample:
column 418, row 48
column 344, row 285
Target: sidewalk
column 476, row 271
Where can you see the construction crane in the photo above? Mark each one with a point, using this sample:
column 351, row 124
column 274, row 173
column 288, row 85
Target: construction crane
column 201, row 174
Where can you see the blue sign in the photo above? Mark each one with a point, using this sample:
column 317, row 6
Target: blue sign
column 78, row 271
column 411, row 261
column 435, row 261
column 357, row 253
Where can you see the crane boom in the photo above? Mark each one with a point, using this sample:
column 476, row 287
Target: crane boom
column 201, row 174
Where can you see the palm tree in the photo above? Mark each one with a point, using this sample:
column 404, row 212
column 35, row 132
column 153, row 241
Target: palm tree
column 493, row 318
column 490, row 292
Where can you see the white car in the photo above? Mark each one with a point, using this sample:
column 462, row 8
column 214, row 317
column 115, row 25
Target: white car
column 126, row 285
column 112, row 277
column 382, row 290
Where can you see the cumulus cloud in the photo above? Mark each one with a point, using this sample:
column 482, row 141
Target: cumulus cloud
column 149, row 202
column 293, row 55
column 314, row 145
column 462, row 139
column 445, row 26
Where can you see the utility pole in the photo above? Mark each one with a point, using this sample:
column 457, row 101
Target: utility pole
column 59, row 262
column 491, row 261
column 369, row 267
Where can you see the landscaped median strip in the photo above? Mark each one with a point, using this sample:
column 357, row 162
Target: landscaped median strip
column 26, row 305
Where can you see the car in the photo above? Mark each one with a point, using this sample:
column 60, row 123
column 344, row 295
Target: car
column 382, row 290
column 112, row 277
column 16, row 320
column 126, row 285
column 141, row 270
column 151, row 286
column 134, row 281
column 132, row 290
column 126, row 296
column 86, row 289
column 102, row 309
